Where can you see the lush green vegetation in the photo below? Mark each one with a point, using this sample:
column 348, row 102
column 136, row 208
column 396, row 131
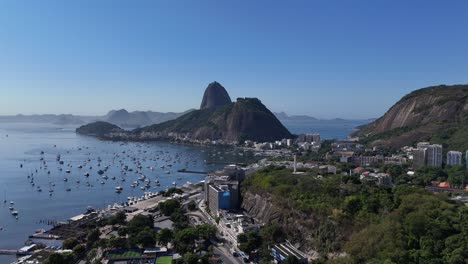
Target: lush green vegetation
column 452, row 137
column 98, row 129
column 454, row 175
column 403, row 224
column 421, row 228
column 57, row 258
column 261, row 241
column 139, row 232
column 386, row 135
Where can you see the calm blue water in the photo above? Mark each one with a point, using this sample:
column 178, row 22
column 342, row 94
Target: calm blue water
column 24, row 145
column 328, row 129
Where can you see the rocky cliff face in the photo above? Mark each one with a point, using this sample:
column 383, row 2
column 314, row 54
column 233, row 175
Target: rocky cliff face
column 215, row 96
column 420, row 115
column 303, row 230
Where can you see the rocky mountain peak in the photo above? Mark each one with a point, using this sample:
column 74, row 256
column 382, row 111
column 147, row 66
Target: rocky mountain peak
column 215, row 96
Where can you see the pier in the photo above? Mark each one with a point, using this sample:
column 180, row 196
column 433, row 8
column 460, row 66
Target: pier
column 13, row 252
column 192, row 171
column 226, row 163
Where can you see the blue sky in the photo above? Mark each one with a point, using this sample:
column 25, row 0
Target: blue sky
column 350, row 59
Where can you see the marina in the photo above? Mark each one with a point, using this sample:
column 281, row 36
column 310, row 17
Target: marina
column 51, row 174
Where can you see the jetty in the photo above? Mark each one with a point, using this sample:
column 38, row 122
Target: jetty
column 192, row 171
column 13, row 252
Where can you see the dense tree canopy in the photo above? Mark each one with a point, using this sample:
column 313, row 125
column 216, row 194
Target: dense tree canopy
column 399, row 224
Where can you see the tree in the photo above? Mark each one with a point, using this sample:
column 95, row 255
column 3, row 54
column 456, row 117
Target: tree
column 180, row 219
column 139, row 223
column 272, row 234
column 352, row 204
column 118, row 219
column 165, row 236
column 169, row 207
column 122, row 231
column 184, row 240
column 70, row 243
column 252, row 241
column 57, row 258
column 190, row 258
column 144, row 238
column 117, row 242
column 206, row 231
column 192, row 205
column 79, row 250
column 92, row 237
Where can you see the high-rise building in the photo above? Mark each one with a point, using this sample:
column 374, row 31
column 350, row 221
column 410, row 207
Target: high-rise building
column 466, row 158
column 454, row 158
column 419, row 157
column 427, row 154
column 219, row 198
column 309, row 138
column 434, row 155
column 221, row 193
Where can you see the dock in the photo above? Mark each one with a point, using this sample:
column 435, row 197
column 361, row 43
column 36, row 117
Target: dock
column 192, row 171
column 13, row 252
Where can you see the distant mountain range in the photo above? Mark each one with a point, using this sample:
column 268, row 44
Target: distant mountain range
column 285, row 118
column 125, row 119
column 121, row 118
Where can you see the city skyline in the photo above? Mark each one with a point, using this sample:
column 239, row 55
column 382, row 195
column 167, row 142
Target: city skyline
column 323, row 59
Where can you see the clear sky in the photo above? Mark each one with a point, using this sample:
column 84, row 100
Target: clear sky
column 350, row 59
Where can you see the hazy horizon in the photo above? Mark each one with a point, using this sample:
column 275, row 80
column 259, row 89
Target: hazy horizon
column 103, row 114
column 324, row 59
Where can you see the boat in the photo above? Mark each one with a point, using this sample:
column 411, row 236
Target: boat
column 15, row 213
column 68, row 190
column 119, row 188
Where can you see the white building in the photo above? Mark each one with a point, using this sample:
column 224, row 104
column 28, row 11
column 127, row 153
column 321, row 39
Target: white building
column 454, row 158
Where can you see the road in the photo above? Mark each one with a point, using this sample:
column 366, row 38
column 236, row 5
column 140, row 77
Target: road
column 226, row 256
column 222, row 251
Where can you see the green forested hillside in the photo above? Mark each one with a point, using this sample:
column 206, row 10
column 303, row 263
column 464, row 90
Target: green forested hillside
column 400, row 224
